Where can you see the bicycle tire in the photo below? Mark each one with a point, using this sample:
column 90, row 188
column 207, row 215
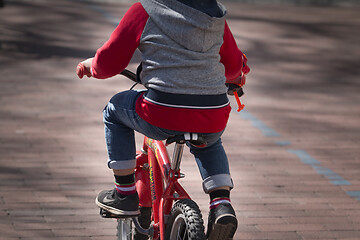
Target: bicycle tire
column 185, row 222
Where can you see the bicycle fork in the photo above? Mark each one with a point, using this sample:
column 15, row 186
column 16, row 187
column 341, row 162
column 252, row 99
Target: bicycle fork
column 142, row 173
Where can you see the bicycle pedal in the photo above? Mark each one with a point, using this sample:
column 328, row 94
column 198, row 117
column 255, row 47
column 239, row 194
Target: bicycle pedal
column 106, row 214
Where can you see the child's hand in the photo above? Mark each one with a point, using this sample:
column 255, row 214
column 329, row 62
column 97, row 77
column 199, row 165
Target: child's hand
column 232, row 88
column 83, row 68
column 240, row 80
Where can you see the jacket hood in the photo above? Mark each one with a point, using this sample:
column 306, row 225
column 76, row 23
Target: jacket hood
column 186, row 26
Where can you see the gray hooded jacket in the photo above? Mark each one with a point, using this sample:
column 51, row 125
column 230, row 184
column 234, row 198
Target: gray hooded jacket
column 180, row 49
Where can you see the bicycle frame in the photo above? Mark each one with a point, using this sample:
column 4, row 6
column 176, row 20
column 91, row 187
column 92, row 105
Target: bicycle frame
column 157, row 181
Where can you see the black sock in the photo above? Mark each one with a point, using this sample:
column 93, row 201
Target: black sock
column 219, row 194
column 125, row 185
column 219, row 197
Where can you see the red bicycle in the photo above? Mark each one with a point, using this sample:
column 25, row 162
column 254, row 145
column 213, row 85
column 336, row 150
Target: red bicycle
column 166, row 209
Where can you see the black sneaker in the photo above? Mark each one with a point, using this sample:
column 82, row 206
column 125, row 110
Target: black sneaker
column 222, row 223
column 110, row 201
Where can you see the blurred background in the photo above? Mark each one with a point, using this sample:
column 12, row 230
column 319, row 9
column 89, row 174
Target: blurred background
column 294, row 150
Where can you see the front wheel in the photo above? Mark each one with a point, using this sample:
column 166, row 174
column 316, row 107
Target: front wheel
column 185, row 222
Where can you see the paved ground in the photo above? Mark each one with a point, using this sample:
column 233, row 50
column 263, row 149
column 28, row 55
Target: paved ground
column 294, row 152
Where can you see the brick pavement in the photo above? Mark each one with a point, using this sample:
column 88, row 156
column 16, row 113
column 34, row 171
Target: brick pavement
column 303, row 87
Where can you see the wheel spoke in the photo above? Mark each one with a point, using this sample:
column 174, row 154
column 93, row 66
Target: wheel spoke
column 178, row 237
column 185, row 232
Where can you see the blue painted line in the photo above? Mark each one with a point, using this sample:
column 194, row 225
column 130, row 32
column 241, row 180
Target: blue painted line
column 355, row 194
column 304, row 157
column 283, row 143
column 324, row 171
column 341, row 182
column 267, row 131
column 333, row 177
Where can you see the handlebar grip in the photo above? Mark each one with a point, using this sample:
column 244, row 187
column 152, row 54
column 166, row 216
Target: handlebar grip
column 234, row 87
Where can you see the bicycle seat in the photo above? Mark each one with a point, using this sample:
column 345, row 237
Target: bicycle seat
column 193, row 138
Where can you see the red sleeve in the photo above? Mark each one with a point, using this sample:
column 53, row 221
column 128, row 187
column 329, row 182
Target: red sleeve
column 231, row 56
column 114, row 56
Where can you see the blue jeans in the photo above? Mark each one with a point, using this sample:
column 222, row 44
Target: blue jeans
column 121, row 120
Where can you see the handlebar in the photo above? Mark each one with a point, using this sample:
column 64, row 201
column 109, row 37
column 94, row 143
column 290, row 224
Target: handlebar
column 81, row 71
column 130, row 75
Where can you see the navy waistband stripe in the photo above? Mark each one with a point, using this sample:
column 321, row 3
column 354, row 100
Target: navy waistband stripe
column 186, row 100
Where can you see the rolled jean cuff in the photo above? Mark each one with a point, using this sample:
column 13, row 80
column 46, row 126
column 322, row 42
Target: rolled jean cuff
column 215, row 181
column 118, row 165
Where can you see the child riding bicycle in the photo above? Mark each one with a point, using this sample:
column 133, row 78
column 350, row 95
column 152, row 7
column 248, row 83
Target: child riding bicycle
column 188, row 54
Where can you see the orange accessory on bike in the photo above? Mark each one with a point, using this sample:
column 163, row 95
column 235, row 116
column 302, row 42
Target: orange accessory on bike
column 240, row 105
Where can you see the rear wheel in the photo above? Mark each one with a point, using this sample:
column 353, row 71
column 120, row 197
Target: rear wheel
column 185, row 222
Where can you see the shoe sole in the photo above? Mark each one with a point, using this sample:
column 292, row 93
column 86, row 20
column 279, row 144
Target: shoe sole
column 117, row 212
column 224, row 228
